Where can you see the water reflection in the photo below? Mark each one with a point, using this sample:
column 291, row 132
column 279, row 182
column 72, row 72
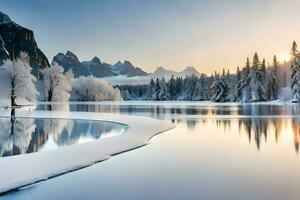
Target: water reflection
column 184, row 109
column 27, row 135
column 257, row 130
column 260, row 131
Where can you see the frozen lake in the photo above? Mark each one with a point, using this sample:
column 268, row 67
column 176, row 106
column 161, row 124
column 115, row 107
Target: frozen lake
column 216, row 151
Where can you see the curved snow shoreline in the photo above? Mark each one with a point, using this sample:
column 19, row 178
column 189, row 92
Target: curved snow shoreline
column 23, row 170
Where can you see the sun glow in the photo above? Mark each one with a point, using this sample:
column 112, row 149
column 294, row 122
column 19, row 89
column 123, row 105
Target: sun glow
column 284, row 58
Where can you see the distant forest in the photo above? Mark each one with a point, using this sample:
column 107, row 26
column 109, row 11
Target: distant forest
column 251, row 83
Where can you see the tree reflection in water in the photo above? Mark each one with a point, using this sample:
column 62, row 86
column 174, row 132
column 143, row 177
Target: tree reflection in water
column 256, row 129
column 260, row 130
column 27, row 135
column 15, row 135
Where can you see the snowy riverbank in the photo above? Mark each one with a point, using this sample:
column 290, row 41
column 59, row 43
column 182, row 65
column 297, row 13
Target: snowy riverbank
column 22, row 170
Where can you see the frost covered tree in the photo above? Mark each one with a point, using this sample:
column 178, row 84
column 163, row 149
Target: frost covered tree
column 189, row 84
column 164, row 90
column 245, row 86
column 220, row 89
column 236, row 94
column 17, row 77
column 201, row 90
column 172, row 87
column 295, row 73
column 56, row 84
column 257, row 80
column 151, row 89
column 179, row 85
column 93, row 89
column 156, row 91
column 161, row 90
column 273, row 81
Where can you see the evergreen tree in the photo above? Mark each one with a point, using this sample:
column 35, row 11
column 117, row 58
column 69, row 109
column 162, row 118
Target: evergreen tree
column 188, row 88
column 263, row 71
column 179, row 85
column 220, row 89
column 273, row 83
column 201, row 90
column 247, row 67
column 161, row 91
column 238, row 89
column 295, row 73
column 223, row 74
column 172, row 88
column 156, row 91
column 164, row 93
column 256, row 80
column 150, row 89
column 245, row 88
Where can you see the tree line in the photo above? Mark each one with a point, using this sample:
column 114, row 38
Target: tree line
column 252, row 83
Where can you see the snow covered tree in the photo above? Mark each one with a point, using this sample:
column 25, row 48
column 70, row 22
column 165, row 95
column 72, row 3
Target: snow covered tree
column 201, row 90
column 179, row 85
column 161, row 91
column 189, row 88
column 295, row 73
column 56, row 85
column 157, row 89
column 172, row 88
column 273, row 82
column 220, row 89
column 164, row 90
column 236, row 94
column 93, row 89
column 245, row 82
column 17, row 77
column 256, row 80
column 151, row 89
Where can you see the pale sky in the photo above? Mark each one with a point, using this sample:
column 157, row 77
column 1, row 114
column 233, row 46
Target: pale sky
column 206, row 34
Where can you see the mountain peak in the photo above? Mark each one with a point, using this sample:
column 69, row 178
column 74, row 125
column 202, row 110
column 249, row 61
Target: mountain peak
column 162, row 72
column 189, row 71
column 4, row 18
column 71, row 55
column 96, row 61
column 118, row 63
column 160, row 69
column 126, row 62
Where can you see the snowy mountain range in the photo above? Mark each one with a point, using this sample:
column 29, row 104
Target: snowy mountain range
column 126, row 69
column 96, row 67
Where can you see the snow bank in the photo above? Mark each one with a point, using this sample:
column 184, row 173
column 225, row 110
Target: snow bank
column 22, row 170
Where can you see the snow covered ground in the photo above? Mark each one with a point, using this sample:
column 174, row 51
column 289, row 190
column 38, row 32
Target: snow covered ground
column 22, row 170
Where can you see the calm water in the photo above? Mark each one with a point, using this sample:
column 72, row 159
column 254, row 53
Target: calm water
column 28, row 135
column 215, row 152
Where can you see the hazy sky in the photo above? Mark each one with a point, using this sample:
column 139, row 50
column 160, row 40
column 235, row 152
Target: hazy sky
column 206, row 34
